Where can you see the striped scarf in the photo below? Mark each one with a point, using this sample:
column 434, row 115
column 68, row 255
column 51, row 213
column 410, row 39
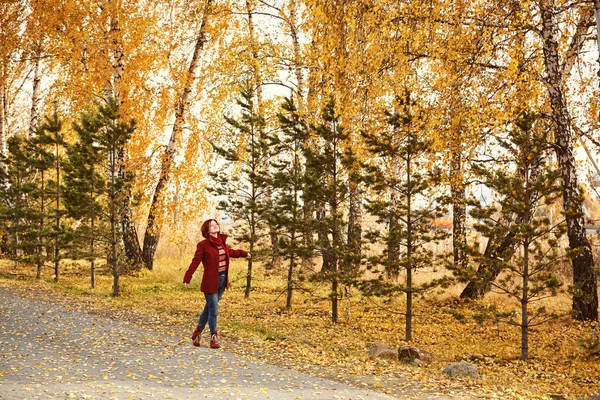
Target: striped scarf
column 222, row 255
column 222, row 260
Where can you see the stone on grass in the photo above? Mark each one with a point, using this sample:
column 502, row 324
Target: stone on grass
column 382, row 351
column 461, row 369
column 417, row 362
column 409, row 354
column 595, row 396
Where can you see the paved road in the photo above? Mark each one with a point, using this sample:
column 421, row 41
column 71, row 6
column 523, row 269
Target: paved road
column 53, row 352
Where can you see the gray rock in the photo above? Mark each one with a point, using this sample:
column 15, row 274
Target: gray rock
column 383, row 351
column 409, row 354
column 461, row 369
column 595, row 396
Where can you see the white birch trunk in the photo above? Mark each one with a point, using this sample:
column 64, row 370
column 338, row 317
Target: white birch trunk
column 597, row 14
column 114, row 49
column 117, row 56
column 34, row 117
column 152, row 235
column 585, row 297
column 297, row 55
column 577, row 41
column 3, row 132
column 255, row 58
column 114, row 43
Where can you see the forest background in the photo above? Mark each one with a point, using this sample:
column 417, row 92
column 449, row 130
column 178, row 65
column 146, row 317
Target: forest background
column 395, row 149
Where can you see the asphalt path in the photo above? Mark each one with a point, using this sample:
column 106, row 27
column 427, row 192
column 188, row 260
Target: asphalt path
column 50, row 351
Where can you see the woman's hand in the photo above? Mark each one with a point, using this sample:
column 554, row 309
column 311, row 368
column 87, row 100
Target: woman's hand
column 248, row 256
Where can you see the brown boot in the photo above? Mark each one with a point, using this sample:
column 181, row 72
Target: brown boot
column 196, row 337
column 214, row 340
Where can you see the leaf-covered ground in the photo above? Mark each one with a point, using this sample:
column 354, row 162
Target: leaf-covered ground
column 50, row 350
column 304, row 338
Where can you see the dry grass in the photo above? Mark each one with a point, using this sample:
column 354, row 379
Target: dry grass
column 304, row 337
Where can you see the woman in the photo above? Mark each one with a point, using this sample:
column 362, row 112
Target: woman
column 214, row 255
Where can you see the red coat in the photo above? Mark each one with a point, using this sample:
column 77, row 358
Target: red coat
column 208, row 253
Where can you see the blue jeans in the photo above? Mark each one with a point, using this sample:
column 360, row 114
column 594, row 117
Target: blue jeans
column 211, row 308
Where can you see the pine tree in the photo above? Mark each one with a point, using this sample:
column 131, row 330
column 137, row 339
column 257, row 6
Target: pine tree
column 41, row 160
column 94, row 177
column 20, row 221
column 288, row 187
column 327, row 184
column 85, row 185
column 112, row 137
column 406, row 204
column 241, row 184
column 50, row 141
column 529, row 277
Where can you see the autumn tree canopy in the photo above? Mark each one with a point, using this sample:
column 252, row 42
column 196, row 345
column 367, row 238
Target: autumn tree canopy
column 177, row 67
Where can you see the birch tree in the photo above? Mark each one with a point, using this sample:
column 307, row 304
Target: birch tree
column 152, row 235
column 585, row 294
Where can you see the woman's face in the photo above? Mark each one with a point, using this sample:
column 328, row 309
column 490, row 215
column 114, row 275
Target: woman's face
column 213, row 227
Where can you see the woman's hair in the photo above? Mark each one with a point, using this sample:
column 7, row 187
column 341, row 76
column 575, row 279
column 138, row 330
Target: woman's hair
column 205, row 226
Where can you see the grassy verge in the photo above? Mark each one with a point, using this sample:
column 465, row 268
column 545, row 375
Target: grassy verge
column 304, row 338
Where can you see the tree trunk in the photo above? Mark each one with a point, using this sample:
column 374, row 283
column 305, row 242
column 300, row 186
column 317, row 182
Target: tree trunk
column 114, row 49
column 336, row 237
column 393, row 245
column 57, row 226
column 486, row 273
column 597, row 15
column 459, row 211
column 290, row 280
column 249, row 274
column 354, row 228
column 496, row 248
column 113, row 222
column 293, row 233
column 324, row 243
column 92, row 255
column 308, row 204
column 255, row 59
column 334, row 300
column 393, row 248
column 524, row 304
column 585, row 296
column 34, row 117
column 16, row 263
column 152, row 235
column 117, row 57
column 275, row 253
column 329, row 262
column 336, row 241
column 258, row 82
column 525, row 276
column 3, row 127
column 40, row 248
column 308, row 218
column 409, row 252
column 131, row 243
column 297, row 56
